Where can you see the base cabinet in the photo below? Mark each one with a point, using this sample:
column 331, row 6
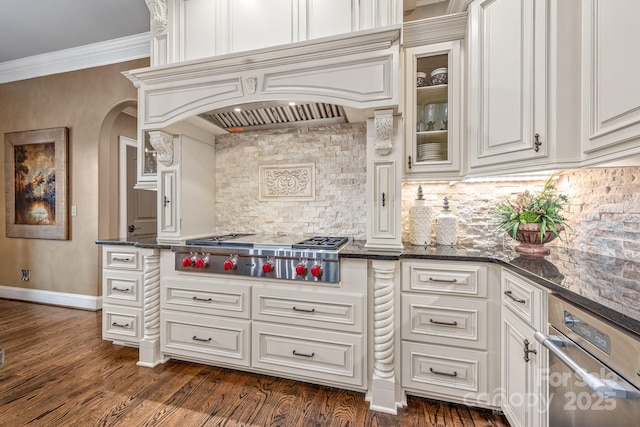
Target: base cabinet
column 524, row 361
column 123, row 284
column 309, row 331
column 448, row 312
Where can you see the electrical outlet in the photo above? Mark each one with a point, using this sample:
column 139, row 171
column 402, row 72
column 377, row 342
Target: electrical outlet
column 25, row 275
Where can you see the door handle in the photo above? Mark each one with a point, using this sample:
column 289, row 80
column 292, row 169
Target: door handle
column 165, row 201
column 133, row 228
column 603, row 388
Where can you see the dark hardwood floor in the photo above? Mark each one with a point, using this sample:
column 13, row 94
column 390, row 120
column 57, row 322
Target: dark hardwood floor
column 58, row 372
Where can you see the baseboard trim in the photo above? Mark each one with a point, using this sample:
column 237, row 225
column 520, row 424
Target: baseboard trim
column 85, row 302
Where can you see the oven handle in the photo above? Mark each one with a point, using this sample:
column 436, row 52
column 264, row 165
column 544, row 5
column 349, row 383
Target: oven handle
column 603, row 388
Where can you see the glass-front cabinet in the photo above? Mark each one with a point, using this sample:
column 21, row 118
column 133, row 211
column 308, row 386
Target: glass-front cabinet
column 432, row 111
column 147, row 164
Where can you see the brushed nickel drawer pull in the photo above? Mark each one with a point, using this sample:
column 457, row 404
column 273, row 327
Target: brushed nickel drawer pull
column 446, row 374
column 295, row 353
column 518, row 300
column 202, row 299
column 119, row 325
column 304, row 310
column 117, row 289
column 195, row 338
column 435, row 322
column 431, row 279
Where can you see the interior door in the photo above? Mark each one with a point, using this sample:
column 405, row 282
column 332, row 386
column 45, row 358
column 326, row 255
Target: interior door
column 140, row 205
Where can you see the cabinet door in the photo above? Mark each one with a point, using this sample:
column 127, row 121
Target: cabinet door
column 432, row 109
column 524, row 397
column 610, row 107
column 508, row 83
column 168, row 203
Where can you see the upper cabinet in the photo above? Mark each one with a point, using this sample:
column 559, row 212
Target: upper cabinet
column 433, row 96
column 432, row 110
column 147, row 163
column 611, row 101
column 524, row 86
column 198, row 29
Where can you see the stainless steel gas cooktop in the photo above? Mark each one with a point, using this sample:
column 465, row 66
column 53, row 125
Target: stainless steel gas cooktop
column 290, row 257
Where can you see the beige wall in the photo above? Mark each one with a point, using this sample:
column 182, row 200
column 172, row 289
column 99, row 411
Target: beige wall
column 82, row 101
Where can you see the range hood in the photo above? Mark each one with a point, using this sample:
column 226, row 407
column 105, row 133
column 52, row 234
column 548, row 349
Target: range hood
column 276, row 114
column 328, row 78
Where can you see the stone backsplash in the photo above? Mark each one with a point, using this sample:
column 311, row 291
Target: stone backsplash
column 603, row 209
column 338, row 155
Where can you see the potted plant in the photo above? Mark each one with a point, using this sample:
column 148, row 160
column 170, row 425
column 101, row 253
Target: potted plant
column 533, row 219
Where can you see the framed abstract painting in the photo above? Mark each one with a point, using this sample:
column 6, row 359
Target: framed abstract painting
column 36, row 175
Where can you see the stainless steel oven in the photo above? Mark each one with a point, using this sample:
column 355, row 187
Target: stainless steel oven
column 594, row 369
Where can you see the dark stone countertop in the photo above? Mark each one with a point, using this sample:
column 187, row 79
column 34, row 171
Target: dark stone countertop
column 145, row 242
column 607, row 286
column 610, row 287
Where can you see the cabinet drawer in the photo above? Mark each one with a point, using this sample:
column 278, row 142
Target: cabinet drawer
column 444, row 370
column 340, row 311
column 120, row 257
column 444, row 278
column 445, row 320
column 121, row 323
column 224, row 298
column 311, row 355
column 524, row 299
column 206, row 338
column 123, row 288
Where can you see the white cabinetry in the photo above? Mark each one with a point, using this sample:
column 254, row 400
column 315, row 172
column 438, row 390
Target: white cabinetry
column 186, row 190
column 524, row 360
column 313, row 331
column 448, row 312
column 524, row 86
column 204, row 28
column 384, row 184
column 432, row 112
column 307, row 330
column 611, row 104
column 206, row 319
column 130, row 283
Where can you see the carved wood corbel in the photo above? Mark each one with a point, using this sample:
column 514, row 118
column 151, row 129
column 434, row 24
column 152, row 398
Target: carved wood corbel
column 383, row 125
column 159, row 14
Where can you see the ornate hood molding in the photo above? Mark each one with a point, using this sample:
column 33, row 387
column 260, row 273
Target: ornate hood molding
column 357, row 70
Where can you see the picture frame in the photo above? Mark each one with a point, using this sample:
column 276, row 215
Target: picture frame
column 36, row 179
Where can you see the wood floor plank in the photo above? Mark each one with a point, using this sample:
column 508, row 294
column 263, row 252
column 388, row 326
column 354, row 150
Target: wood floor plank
column 59, row 372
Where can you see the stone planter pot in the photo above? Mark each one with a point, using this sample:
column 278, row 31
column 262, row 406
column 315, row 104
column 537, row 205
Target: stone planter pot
column 529, row 237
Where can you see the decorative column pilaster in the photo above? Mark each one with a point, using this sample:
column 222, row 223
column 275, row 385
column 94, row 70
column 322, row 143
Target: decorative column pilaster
column 150, row 355
column 384, row 394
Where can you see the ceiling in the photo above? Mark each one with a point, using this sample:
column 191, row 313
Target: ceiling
column 33, row 27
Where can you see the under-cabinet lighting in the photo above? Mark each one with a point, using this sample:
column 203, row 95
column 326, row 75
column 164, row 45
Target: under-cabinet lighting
column 529, row 176
column 237, row 109
column 292, row 104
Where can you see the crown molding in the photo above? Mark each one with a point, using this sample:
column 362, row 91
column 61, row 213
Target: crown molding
column 77, row 58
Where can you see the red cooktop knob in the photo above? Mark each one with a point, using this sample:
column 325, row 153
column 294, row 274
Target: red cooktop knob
column 267, row 267
column 301, row 269
column 202, row 263
column 187, row 262
column 316, row 271
column 229, row 264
